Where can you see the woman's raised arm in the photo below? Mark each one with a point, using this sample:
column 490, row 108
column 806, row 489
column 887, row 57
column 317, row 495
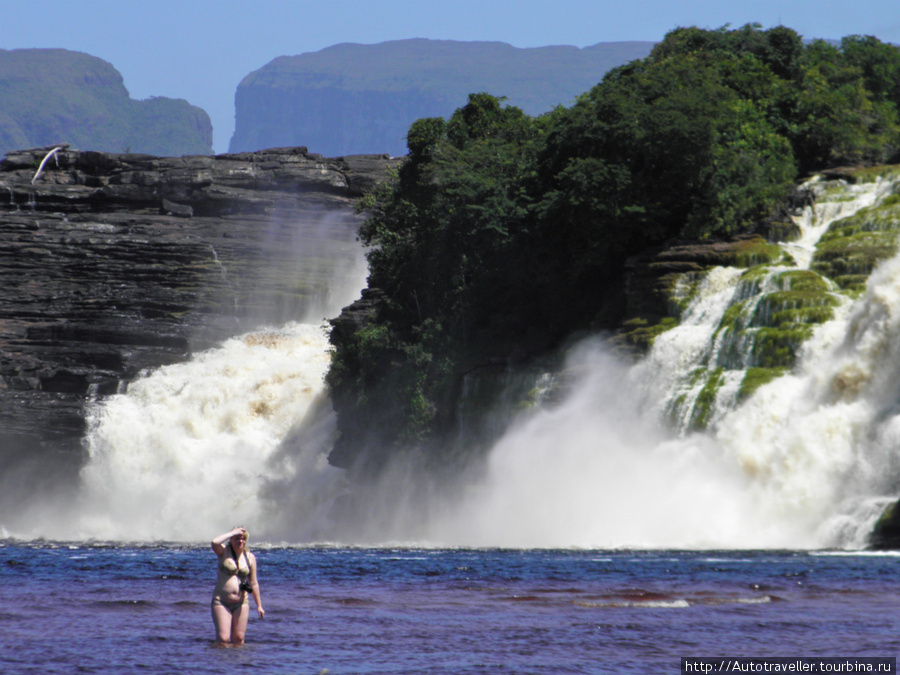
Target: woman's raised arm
column 218, row 544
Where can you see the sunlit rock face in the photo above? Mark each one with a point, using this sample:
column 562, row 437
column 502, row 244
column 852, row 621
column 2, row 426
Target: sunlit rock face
column 113, row 263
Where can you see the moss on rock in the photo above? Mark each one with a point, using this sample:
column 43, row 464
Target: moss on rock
column 853, row 246
column 640, row 333
column 756, row 377
column 704, row 404
column 869, row 174
column 762, row 332
column 803, row 281
column 778, row 347
column 663, row 286
column 757, row 251
column 787, row 309
column 775, row 307
column 886, row 533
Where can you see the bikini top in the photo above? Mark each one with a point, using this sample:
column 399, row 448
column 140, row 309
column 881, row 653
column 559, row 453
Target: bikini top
column 229, row 564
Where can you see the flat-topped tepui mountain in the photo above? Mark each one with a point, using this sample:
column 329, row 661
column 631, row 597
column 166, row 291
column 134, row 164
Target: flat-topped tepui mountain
column 52, row 96
column 354, row 98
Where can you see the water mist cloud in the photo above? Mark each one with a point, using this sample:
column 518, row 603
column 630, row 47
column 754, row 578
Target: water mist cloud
column 597, row 472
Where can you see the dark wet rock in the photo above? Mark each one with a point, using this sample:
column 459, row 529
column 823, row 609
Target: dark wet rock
column 886, row 533
column 355, row 316
column 172, row 209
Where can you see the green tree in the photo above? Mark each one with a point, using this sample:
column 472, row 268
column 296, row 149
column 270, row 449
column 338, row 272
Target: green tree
column 442, row 240
column 664, row 148
column 879, row 64
column 833, row 118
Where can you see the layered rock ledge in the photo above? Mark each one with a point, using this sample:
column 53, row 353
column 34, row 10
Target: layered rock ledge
column 114, row 263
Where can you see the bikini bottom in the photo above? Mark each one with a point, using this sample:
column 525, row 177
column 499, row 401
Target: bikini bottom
column 230, row 606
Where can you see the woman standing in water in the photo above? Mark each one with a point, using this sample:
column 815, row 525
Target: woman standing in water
column 235, row 581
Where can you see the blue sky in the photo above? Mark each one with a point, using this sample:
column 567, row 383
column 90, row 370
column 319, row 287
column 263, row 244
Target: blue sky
column 200, row 50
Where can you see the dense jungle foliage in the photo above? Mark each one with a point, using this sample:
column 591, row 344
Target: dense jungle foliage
column 503, row 234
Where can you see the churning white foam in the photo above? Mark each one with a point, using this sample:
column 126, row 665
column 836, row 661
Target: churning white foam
column 597, row 472
column 191, row 447
column 194, row 448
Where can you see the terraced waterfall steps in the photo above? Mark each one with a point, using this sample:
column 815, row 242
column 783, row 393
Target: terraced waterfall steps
column 738, row 313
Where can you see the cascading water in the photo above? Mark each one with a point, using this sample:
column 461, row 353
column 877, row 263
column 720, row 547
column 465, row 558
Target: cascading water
column 676, row 451
column 197, row 443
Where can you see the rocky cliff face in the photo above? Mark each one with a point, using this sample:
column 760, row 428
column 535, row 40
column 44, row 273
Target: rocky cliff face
column 111, row 264
column 332, row 120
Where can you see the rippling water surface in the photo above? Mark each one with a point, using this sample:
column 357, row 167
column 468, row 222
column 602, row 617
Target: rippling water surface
column 112, row 608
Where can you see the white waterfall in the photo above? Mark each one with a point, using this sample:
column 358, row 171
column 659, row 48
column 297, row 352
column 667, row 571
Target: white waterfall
column 193, row 447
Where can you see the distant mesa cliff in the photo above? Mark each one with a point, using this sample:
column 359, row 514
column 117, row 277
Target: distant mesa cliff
column 50, row 96
column 353, row 99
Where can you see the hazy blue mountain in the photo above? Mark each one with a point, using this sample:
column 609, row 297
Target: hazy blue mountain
column 353, row 98
column 59, row 96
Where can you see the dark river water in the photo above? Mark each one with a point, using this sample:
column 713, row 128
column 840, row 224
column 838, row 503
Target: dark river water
column 95, row 608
